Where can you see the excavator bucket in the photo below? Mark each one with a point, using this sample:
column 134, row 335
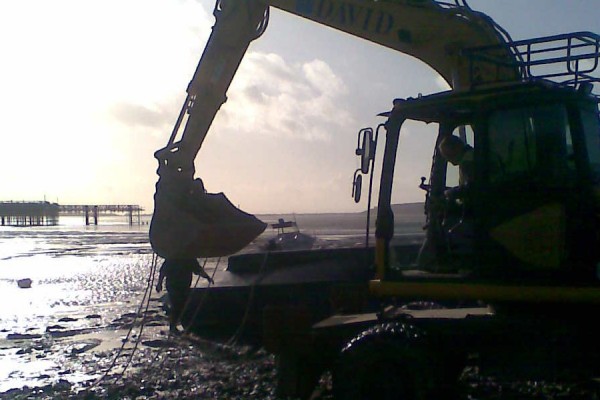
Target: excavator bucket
column 195, row 224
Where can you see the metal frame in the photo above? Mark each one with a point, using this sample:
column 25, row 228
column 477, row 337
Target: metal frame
column 559, row 58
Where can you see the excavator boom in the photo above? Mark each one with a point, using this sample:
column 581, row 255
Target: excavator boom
column 428, row 30
column 188, row 222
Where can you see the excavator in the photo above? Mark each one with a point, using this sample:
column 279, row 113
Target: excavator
column 508, row 276
column 185, row 221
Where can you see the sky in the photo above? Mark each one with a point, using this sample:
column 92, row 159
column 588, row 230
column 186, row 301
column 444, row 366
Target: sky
column 90, row 89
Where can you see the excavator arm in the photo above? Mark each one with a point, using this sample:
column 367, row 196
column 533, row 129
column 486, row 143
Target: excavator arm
column 187, row 221
column 431, row 31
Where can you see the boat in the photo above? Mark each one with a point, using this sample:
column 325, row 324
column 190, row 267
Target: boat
column 330, row 277
column 289, row 240
column 320, row 281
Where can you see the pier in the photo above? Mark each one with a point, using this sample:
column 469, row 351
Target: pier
column 40, row 213
column 92, row 212
column 43, row 213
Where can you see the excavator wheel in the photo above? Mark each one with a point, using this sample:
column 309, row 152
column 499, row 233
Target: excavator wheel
column 388, row 362
column 297, row 375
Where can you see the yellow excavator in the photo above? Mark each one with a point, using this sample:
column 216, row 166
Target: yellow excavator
column 189, row 222
column 509, row 273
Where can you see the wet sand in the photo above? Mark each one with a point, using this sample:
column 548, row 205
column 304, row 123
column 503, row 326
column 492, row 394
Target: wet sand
column 78, row 363
column 97, row 363
column 64, row 356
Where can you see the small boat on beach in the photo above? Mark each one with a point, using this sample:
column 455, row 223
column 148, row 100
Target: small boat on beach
column 289, row 240
column 320, row 281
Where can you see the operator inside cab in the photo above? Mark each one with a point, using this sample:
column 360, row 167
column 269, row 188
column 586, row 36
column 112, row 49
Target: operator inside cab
column 460, row 154
column 453, row 235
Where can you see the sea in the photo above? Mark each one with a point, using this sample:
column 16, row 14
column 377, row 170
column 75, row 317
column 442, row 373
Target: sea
column 73, row 269
column 92, row 269
column 89, row 275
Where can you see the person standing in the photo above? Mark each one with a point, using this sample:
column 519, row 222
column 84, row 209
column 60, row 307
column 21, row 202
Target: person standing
column 178, row 274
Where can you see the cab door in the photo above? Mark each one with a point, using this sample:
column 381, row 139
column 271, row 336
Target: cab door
column 529, row 190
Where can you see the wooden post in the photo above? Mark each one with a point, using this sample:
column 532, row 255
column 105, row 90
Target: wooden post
column 87, row 214
column 95, row 215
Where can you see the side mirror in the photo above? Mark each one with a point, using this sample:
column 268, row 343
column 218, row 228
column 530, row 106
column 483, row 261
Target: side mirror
column 365, row 149
column 357, row 186
column 365, row 157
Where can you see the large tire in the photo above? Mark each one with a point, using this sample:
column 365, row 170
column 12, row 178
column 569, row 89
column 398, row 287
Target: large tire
column 297, row 375
column 388, row 362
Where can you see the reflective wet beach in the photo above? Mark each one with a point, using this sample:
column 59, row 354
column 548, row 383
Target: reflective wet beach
column 82, row 278
column 87, row 284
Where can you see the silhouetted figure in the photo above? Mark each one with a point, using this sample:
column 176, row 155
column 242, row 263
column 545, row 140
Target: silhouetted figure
column 179, row 278
column 457, row 152
column 455, row 232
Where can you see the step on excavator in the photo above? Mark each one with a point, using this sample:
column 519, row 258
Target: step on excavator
column 508, row 276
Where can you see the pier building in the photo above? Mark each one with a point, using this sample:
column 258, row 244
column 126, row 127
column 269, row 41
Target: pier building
column 43, row 213
column 40, row 213
column 91, row 213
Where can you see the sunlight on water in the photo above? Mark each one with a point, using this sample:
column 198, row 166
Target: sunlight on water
column 92, row 275
column 74, row 269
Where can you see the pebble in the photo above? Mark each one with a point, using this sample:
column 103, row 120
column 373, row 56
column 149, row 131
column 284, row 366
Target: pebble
column 83, row 347
column 22, row 336
column 157, row 343
column 54, row 327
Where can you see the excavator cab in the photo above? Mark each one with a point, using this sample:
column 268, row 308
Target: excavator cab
column 524, row 212
column 529, row 210
column 512, row 238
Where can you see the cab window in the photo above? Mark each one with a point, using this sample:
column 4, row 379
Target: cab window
column 530, row 145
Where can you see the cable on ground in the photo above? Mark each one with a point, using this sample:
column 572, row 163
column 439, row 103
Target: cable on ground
column 126, row 340
column 237, row 335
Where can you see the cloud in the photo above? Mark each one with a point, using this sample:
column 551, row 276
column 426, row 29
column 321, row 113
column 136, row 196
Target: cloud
column 272, row 97
column 441, row 83
column 139, row 115
column 322, row 78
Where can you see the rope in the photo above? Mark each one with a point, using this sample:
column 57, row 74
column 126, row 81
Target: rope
column 170, row 334
column 146, row 293
column 205, row 294
column 145, row 304
column 236, row 336
column 146, row 299
column 142, row 325
column 232, row 341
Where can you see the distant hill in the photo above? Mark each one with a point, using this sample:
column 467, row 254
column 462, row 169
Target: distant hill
column 405, row 209
column 410, row 214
